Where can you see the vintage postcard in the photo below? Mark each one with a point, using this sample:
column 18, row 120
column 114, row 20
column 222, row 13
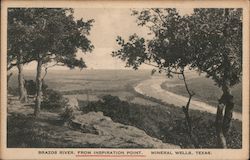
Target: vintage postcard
column 124, row 79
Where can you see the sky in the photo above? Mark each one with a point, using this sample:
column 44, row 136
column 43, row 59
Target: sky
column 109, row 23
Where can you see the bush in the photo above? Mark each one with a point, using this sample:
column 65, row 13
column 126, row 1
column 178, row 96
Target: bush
column 111, row 106
column 53, row 100
column 67, row 114
column 30, row 86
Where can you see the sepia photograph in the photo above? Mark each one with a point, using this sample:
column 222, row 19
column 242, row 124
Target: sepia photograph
column 162, row 78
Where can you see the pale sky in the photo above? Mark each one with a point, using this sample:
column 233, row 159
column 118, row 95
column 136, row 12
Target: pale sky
column 109, row 23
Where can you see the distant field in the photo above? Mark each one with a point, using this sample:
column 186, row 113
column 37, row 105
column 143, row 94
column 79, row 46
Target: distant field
column 204, row 89
column 92, row 84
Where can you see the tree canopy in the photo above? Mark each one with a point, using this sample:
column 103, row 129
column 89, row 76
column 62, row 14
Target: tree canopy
column 58, row 36
column 51, row 33
column 208, row 40
column 216, row 40
column 169, row 47
column 19, row 38
column 47, row 36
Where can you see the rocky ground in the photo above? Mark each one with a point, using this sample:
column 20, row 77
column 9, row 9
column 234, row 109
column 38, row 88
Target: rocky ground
column 92, row 130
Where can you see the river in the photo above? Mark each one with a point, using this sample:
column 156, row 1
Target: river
column 152, row 88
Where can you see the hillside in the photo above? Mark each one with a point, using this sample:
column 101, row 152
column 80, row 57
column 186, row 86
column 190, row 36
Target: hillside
column 95, row 131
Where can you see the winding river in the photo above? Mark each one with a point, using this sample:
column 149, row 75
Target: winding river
column 152, row 88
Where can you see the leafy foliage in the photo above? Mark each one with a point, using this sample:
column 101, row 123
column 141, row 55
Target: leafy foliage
column 133, row 52
column 19, row 37
column 219, row 53
column 168, row 49
column 209, row 40
column 50, row 34
column 67, row 114
column 53, row 100
column 30, row 86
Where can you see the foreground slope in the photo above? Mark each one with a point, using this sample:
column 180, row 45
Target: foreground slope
column 91, row 130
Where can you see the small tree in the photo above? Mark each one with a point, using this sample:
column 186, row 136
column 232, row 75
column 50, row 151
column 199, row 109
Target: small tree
column 216, row 38
column 56, row 37
column 168, row 50
column 63, row 36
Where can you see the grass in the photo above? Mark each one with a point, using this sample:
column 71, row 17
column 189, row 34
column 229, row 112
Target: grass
column 25, row 131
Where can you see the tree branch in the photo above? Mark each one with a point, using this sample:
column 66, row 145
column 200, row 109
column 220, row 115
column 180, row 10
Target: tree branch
column 186, row 112
column 160, row 17
column 46, row 70
column 174, row 72
column 11, row 65
column 191, row 93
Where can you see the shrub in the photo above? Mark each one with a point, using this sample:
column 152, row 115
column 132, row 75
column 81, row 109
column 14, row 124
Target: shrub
column 53, row 100
column 111, row 106
column 67, row 114
column 30, row 86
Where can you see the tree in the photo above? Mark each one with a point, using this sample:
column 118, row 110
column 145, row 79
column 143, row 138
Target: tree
column 216, row 38
column 56, row 37
column 209, row 40
column 168, row 50
column 19, row 38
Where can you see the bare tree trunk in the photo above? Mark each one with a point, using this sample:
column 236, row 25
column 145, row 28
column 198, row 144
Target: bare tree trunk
column 21, row 81
column 228, row 111
column 228, row 98
column 186, row 112
column 38, row 88
column 221, row 140
column 189, row 124
column 8, row 78
column 223, row 122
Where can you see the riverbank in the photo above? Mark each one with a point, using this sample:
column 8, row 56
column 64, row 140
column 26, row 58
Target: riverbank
column 152, row 88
